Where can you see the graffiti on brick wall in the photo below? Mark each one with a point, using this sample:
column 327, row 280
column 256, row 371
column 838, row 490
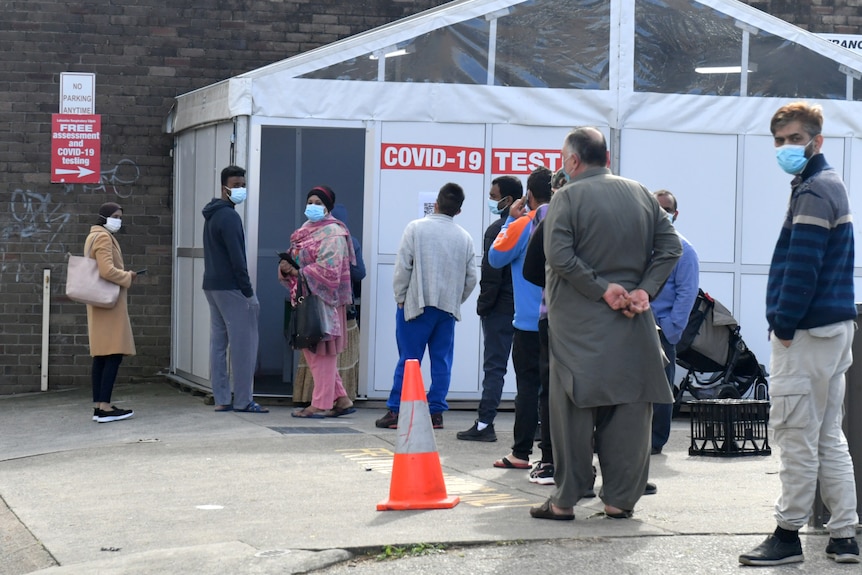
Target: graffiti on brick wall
column 119, row 180
column 40, row 218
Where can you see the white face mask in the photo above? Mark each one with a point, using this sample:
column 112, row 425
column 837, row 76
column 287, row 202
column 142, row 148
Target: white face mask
column 113, row 225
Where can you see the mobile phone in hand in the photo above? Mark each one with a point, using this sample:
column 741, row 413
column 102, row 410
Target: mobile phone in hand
column 141, row 272
column 286, row 257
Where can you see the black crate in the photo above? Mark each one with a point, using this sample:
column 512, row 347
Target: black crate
column 729, row 427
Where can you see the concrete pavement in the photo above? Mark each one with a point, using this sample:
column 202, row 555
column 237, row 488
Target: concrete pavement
column 182, row 489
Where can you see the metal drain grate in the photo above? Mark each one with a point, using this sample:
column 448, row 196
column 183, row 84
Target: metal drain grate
column 316, row 430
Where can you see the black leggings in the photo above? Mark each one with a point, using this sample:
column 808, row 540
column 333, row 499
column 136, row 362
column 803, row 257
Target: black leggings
column 105, row 368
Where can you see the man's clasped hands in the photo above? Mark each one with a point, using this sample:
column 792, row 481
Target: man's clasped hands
column 629, row 303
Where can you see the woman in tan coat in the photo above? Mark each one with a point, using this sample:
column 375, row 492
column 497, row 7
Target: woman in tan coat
column 109, row 329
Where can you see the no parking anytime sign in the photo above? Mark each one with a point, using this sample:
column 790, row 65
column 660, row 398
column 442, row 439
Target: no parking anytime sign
column 76, row 148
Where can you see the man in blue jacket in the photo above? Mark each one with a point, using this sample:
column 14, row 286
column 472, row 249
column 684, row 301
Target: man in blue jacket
column 234, row 309
column 510, row 248
column 671, row 309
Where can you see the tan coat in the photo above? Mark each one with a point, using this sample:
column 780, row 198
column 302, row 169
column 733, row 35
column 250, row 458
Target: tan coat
column 109, row 330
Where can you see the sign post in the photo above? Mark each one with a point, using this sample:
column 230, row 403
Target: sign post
column 76, row 148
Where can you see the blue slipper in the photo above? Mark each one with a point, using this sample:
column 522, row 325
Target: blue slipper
column 253, row 407
column 307, row 414
column 334, row 412
column 223, row 408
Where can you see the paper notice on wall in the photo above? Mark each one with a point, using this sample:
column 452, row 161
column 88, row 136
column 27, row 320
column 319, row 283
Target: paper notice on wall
column 426, row 203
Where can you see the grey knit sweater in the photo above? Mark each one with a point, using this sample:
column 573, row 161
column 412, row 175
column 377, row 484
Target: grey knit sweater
column 435, row 266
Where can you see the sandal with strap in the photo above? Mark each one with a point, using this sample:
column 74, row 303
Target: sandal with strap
column 253, row 407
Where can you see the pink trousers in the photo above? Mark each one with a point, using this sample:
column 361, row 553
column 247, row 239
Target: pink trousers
column 327, row 382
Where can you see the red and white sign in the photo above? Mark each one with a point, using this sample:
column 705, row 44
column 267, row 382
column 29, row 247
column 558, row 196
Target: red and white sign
column 76, row 148
column 523, row 161
column 436, row 158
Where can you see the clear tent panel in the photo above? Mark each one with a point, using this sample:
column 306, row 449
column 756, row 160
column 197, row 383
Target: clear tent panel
column 675, row 38
column 544, row 44
column 456, row 54
column 784, row 69
column 362, row 68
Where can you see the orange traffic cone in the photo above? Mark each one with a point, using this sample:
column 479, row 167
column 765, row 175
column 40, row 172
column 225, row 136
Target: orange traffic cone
column 417, row 478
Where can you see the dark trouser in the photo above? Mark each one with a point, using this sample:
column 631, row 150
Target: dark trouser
column 662, row 413
column 498, row 331
column 525, row 357
column 105, row 368
column 545, row 378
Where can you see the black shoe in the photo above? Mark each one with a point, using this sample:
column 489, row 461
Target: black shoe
column 774, row 551
column 843, row 550
column 650, row 489
column 655, row 451
column 437, row 420
column 95, row 414
column 473, row 434
column 388, row 421
column 116, row 414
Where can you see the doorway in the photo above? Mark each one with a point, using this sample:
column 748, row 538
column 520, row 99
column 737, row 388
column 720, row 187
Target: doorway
column 292, row 161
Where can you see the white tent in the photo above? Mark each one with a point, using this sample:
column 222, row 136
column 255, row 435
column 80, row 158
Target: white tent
column 684, row 89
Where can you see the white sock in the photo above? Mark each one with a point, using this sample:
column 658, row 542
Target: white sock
column 480, row 426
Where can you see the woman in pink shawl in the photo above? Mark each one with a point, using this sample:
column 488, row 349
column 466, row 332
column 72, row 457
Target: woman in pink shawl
column 324, row 252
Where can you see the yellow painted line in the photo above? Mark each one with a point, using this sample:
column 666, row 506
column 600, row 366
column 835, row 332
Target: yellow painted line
column 471, row 491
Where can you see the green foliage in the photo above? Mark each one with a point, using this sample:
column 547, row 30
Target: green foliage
column 398, row 552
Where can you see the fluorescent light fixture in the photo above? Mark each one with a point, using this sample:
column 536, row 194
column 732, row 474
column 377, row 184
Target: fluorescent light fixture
column 399, row 49
column 400, row 52
column 752, row 67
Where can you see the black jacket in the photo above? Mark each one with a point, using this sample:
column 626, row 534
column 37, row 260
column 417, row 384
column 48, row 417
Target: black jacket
column 495, row 285
column 534, row 258
column 225, row 266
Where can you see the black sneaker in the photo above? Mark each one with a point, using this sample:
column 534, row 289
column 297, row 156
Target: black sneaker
column 774, row 551
column 843, row 550
column 388, row 421
column 650, row 489
column 437, row 420
column 116, row 414
column 473, row 434
column 542, row 473
column 95, row 414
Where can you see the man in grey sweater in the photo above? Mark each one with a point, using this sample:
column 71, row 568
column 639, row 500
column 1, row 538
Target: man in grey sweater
column 434, row 274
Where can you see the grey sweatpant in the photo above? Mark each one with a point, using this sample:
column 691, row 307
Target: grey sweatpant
column 233, row 321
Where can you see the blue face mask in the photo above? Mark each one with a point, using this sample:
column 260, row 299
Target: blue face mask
column 492, row 205
column 791, row 158
column 237, row 195
column 314, row 213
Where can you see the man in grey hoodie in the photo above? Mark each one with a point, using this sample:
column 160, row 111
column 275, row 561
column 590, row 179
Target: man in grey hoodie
column 234, row 309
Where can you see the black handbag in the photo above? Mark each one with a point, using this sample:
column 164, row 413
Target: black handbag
column 308, row 320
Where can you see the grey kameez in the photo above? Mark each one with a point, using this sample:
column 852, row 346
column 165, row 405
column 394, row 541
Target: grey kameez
column 604, row 229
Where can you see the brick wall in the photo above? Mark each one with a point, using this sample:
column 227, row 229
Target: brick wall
column 144, row 53
column 818, row 16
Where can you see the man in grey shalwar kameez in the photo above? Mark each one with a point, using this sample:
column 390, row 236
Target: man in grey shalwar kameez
column 609, row 249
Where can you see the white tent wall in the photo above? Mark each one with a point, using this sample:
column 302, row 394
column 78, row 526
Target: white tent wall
column 199, row 157
column 714, row 152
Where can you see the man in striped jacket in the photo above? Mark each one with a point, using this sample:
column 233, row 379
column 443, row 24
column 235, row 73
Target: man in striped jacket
column 810, row 308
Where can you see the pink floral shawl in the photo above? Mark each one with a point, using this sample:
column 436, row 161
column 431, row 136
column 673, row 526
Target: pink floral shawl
column 324, row 253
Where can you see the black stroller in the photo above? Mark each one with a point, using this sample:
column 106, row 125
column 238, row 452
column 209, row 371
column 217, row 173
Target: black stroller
column 718, row 364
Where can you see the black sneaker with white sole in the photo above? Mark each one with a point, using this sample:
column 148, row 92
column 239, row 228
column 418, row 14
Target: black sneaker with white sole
column 115, row 414
column 542, row 473
column 773, row 551
column 843, row 550
column 474, row 434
